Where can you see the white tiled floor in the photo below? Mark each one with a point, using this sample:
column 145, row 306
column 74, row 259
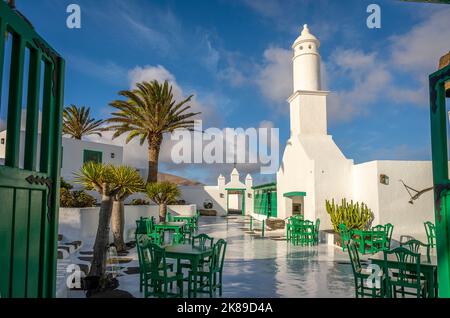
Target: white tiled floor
column 265, row 267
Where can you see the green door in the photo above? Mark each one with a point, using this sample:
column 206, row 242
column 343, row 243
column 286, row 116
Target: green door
column 28, row 194
column 439, row 118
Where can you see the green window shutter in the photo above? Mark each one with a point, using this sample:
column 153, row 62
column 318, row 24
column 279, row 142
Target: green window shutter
column 94, row 156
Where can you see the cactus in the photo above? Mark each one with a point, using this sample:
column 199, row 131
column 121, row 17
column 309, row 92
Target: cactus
column 354, row 216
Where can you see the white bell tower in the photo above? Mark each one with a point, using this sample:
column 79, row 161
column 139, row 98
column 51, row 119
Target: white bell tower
column 306, row 62
column 308, row 102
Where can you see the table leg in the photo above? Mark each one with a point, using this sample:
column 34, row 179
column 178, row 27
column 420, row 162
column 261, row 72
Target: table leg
column 194, row 263
column 431, row 283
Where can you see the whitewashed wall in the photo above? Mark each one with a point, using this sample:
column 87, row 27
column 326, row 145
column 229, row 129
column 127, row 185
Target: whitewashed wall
column 73, row 151
column 390, row 202
column 198, row 194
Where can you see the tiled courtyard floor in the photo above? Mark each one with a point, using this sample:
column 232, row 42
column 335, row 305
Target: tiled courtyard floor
column 266, row 267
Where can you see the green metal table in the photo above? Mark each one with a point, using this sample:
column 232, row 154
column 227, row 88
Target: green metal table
column 427, row 268
column 192, row 254
column 170, row 226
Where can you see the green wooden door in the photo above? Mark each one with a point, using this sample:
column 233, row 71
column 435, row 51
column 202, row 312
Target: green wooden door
column 439, row 118
column 28, row 194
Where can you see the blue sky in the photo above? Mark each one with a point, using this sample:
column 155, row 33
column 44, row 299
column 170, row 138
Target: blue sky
column 235, row 57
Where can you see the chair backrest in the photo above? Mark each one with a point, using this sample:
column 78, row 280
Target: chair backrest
column 379, row 231
column 317, row 226
column 354, row 257
column 389, row 229
column 141, row 227
column 430, row 229
column 203, row 241
column 406, row 268
column 298, row 216
column 345, row 233
column 416, row 246
column 150, row 224
column 142, row 242
column 218, row 256
column 155, row 260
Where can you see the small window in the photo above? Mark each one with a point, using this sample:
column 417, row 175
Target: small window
column 310, row 47
column 2, row 141
column 92, row 156
column 113, row 155
column 301, row 47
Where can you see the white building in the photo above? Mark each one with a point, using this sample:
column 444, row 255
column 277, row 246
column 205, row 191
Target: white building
column 232, row 197
column 314, row 169
column 74, row 153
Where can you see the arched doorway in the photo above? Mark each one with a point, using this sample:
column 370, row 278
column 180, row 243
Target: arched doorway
column 236, row 201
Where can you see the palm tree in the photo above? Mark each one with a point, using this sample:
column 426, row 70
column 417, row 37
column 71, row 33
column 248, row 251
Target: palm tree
column 163, row 194
column 77, row 122
column 94, row 176
column 132, row 183
column 109, row 181
column 150, row 111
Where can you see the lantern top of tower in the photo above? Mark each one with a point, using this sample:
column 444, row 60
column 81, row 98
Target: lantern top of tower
column 306, row 36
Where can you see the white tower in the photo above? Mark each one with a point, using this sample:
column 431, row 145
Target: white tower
column 306, row 62
column 313, row 168
column 308, row 101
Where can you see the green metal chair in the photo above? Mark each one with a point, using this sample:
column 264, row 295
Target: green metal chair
column 361, row 276
column 316, row 231
column 345, row 235
column 430, row 229
column 142, row 241
column 210, row 276
column 157, row 275
column 417, row 246
column 378, row 240
column 403, row 276
column 141, row 226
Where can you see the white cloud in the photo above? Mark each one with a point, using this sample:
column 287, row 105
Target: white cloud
column 419, row 50
column 161, row 74
column 274, row 78
column 369, row 77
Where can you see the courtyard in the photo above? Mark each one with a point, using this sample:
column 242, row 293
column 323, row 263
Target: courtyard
column 257, row 267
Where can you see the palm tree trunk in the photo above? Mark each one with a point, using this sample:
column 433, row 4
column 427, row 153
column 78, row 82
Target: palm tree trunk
column 98, row 265
column 162, row 212
column 154, row 146
column 118, row 224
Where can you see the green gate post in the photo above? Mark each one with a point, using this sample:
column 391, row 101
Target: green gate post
column 441, row 181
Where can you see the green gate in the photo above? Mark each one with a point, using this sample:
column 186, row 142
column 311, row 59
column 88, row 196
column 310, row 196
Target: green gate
column 28, row 195
column 439, row 118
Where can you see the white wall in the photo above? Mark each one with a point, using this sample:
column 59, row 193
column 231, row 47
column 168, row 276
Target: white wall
column 73, row 151
column 390, row 203
column 198, row 194
column 365, row 186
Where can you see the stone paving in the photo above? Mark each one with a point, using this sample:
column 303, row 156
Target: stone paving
column 262, row 267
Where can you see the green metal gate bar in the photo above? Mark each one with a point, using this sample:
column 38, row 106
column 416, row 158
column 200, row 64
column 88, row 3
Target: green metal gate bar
column 441, row 180
column 29, row 196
